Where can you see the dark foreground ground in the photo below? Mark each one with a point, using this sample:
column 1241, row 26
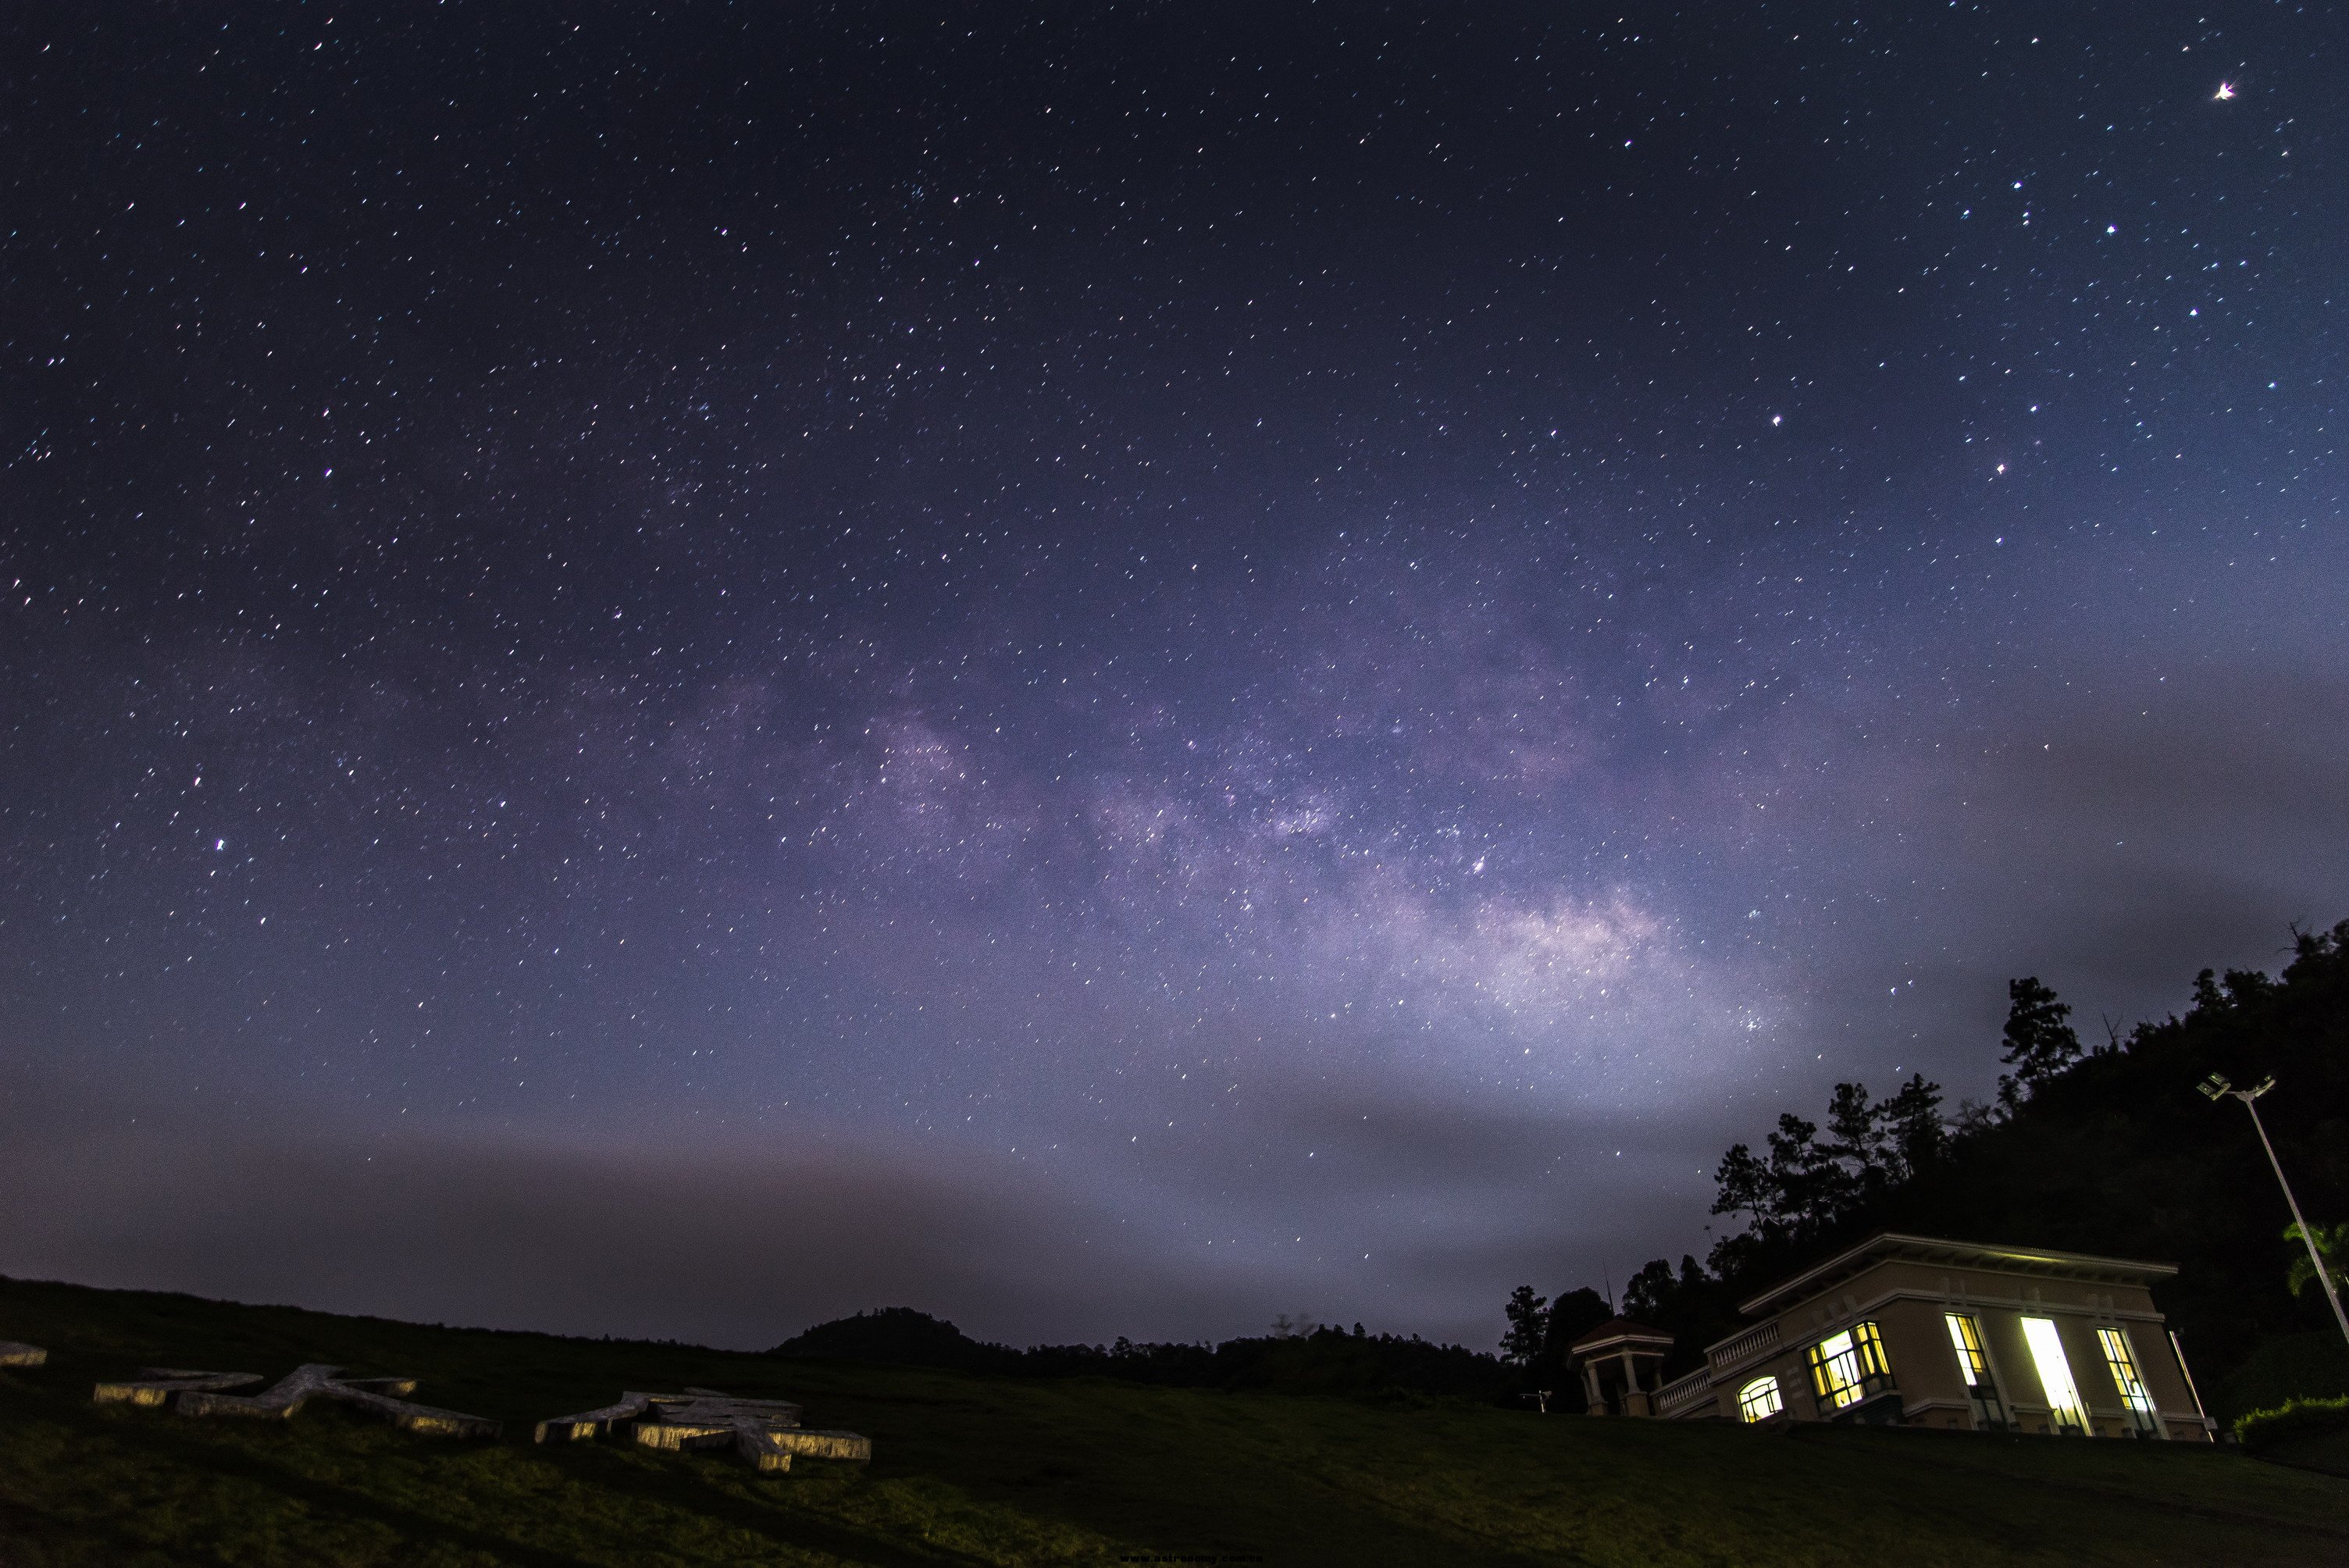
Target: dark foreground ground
column 973, row 1471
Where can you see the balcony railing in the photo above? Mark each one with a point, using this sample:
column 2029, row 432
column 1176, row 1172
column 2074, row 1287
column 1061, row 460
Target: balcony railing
column 1684, row 1394
column 1762, row 1337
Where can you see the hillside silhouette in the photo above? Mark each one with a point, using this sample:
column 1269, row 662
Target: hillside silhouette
column 1297, row 1359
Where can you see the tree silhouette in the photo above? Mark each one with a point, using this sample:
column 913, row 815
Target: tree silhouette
column 1528, row 1325
column 2331, row 1243
column 2040, row 1045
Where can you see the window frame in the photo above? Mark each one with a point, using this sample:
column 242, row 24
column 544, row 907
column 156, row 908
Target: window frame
column 2120, row 1360
column 1973, row 1363
column 2053, row 1365
column 1851, row 1374
column 1748, row 1400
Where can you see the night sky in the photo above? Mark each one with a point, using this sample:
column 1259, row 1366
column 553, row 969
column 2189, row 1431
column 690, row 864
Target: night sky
column 1114, row 670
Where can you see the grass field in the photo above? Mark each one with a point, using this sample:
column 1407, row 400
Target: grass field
column 972, row 1470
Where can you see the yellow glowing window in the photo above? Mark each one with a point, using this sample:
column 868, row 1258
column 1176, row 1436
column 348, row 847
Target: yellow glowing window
column 2064, row 1407
column 1973, row 1361
column 1759, row 1400
column 2124, row 1368
column 1848, row 1367
column 1966, row 1336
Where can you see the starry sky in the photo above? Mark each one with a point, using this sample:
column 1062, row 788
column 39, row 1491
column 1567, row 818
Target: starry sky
column 1112, row 669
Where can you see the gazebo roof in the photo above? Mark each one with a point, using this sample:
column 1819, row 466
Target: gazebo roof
column 1621, row 1334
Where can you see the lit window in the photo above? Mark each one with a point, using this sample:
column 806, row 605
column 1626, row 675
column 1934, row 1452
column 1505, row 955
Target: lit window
column 1848, row 1367
column 2064, row 1407
column 1759, row 1400
column 1968, row 1340
column 2134, row 1397
column 1965, row 1336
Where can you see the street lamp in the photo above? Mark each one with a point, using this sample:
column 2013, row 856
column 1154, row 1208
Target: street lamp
column 2216, row 1087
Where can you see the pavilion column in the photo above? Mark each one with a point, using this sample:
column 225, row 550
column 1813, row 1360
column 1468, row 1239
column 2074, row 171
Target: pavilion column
column 1590, row 1382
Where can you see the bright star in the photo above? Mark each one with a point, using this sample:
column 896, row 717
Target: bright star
column 2226, row 91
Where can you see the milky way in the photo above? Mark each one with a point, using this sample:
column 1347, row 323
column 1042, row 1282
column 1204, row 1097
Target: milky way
column 1111, row 671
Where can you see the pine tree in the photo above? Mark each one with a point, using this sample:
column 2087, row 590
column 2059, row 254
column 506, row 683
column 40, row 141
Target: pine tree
column 1910, row 1131
column 2039, row 1043
column 1529, row 1328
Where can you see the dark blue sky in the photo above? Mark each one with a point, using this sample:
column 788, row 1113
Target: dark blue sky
column 1114, row 670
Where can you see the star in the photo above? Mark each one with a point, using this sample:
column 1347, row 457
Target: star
column 2226, row 91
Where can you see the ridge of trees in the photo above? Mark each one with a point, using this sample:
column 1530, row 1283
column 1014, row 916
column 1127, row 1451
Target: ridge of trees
column 1297, row 1357
column 2104, row 1150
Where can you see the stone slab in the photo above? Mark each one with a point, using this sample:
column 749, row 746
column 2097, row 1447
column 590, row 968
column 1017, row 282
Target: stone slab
column 589, row 1425
column 156, row 1386
column 767, row 1432
column 317, row 1380
column 817, row 1443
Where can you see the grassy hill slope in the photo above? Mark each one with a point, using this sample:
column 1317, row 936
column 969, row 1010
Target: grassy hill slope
column 973, row 1470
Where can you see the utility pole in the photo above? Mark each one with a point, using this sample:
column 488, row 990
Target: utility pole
column 2216, row 1087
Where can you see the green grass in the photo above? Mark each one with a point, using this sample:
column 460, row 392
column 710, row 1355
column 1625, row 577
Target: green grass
column 972, row 1470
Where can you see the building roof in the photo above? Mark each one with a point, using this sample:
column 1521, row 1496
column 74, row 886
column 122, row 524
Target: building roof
column 1959, row 1254
column 1617, row 1331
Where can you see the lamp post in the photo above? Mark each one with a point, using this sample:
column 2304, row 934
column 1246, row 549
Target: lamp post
column 2216, row 1087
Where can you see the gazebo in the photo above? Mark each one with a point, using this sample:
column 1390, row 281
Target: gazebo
column 1622, row 1367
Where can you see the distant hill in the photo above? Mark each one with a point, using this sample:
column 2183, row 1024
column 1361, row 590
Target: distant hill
column 1313, row 1360
column 893, row 1337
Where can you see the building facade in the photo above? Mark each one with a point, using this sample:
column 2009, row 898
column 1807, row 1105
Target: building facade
column 1917, row 1331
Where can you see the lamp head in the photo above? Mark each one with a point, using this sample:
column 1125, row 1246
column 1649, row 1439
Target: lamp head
column 2214, row 1086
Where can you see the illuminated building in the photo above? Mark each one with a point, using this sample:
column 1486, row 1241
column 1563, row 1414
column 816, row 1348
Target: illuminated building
column 1919, row 1332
